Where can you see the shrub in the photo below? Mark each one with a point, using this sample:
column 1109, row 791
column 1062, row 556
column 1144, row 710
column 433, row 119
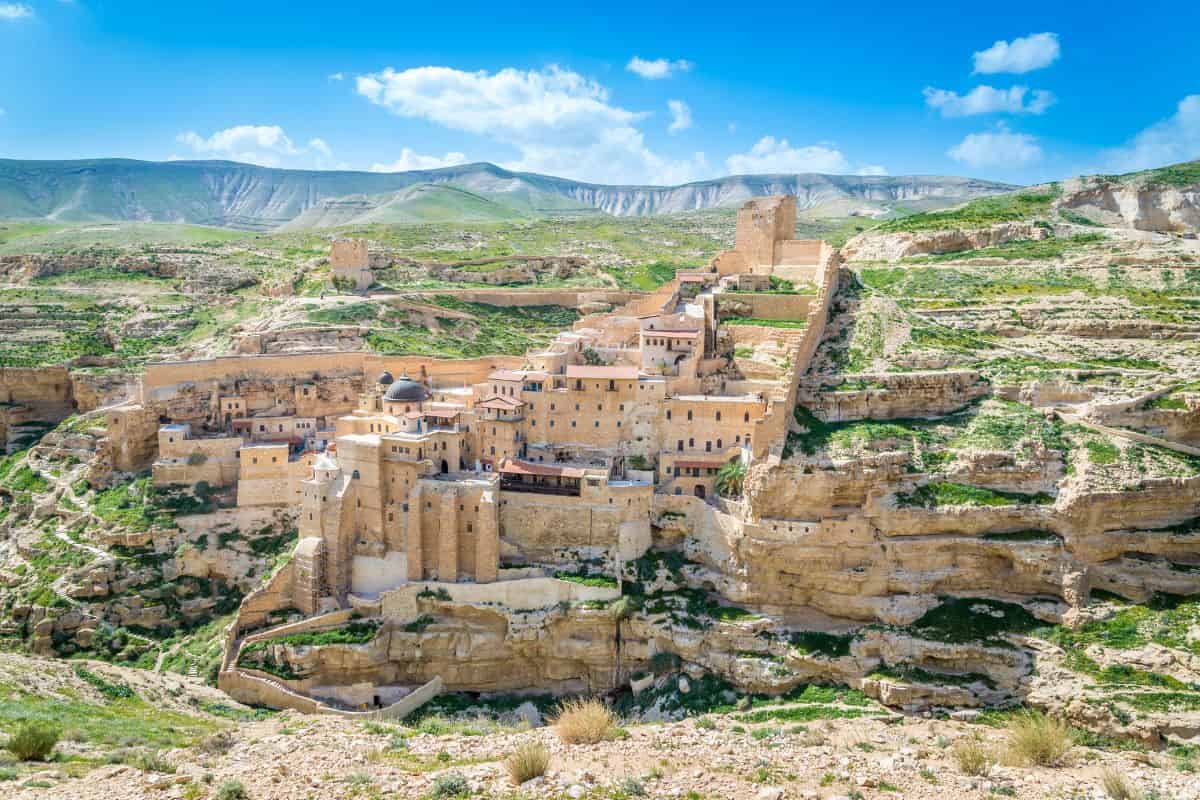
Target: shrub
column 1116, row 787
column 584, row 721
column 527, row 762
column 217, row 744
column 148, row 761
column 33, row 741
column 972, row 757
column 1035, row 739
column 450, row 785
column 231, row 790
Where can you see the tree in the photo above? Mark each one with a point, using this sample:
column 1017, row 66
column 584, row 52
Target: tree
column 730, row 479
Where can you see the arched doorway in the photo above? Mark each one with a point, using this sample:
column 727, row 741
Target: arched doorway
column 700, row 490
column 445, row 467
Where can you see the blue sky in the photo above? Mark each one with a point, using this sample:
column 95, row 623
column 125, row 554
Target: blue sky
column 1013, row 91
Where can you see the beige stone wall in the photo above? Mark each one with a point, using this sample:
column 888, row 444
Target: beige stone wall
column 540, row 526
column 46, row 390
column 160, row 380
column 509, row 298
column 767, row 306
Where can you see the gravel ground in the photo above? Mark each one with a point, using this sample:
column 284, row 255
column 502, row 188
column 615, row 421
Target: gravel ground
column 293, row 757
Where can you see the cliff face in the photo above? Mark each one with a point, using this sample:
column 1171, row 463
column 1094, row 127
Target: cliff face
column 1139, row 203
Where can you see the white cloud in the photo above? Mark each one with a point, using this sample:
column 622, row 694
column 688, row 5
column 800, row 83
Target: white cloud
column 337, row 76
column 658, row 68
column 1021, row 55
column 773, row 155
column 15, row 11
column 1000, row 148
column 265, row 145
column 681, row 116
column 558, row 121
column 1168, row 141
column 986, row 100
column 410, row 160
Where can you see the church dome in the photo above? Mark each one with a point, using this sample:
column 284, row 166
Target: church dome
column 385, row 378
column 405, row 390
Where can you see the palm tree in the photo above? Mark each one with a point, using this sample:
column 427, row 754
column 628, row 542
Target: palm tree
column 730, row 478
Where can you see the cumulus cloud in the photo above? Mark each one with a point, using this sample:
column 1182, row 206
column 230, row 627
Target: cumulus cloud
column 410, row 160
column 987, row 100
column 557, row 120
column 15, row 11
column 265, row 145
column 777, row 155
column 1021, row 55
column 658, row 68
column 681, row 116
column 1169, row 141
column 999, row 148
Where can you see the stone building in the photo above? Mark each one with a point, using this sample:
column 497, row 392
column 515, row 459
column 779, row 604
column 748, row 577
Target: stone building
column 350, row 261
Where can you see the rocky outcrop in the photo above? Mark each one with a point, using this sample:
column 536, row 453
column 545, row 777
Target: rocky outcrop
column 895, row 246
column 893, row 395
column 1137, row 202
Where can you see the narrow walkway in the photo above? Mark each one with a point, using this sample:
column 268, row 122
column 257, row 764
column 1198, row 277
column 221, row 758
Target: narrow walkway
column 1124, row 433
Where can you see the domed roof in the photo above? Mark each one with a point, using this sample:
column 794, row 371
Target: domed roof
column 385, row 378
column 405, row 389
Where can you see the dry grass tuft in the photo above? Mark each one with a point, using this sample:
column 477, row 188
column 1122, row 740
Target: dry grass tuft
column 527, row 762
column 1035, row 739
column 972, row 757
column 1117, row 787
column 584, row 721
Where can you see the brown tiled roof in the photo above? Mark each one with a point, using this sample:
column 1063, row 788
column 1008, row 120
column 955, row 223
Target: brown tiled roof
column 618, row 373
column 512, row 466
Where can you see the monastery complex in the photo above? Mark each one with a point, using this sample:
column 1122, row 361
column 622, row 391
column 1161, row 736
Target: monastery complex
column 481, row 479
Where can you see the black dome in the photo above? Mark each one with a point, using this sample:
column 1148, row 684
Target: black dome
column 405, row 389
column 385, row 378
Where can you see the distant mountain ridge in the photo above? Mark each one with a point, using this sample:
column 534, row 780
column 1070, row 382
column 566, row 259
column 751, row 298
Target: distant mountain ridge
column 230, row 194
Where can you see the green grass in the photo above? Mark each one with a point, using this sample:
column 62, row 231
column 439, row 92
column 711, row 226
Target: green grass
column 818, row 643
column 1165, row 620
column 766, row 323
column 986, row 211
column 125, row 722
column 1186, row 174
column 960, row 620
column 907, row 673
column 584, row 579
column 489, row 330
column 939, row 494
column 356, row 632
